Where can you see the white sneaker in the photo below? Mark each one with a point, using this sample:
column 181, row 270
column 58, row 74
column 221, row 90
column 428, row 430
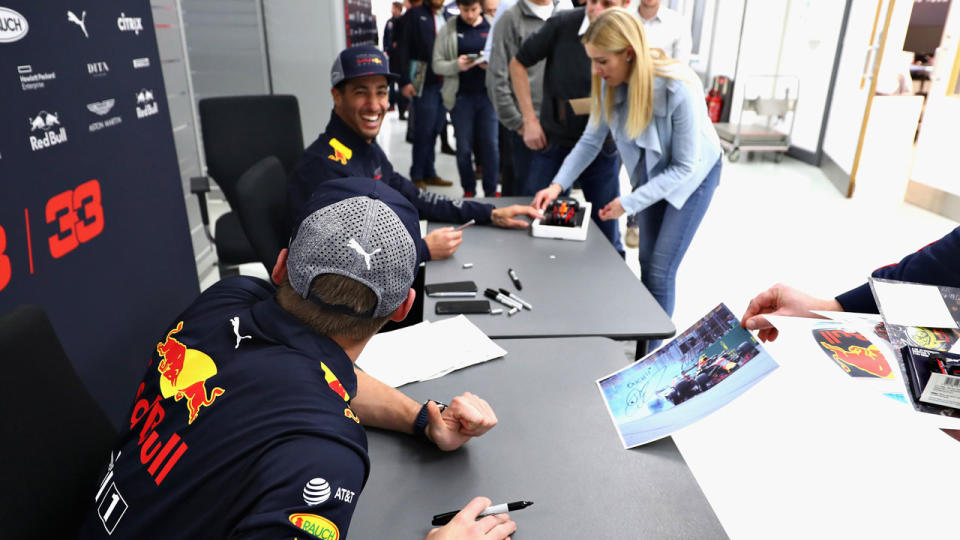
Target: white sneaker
column 632, row 239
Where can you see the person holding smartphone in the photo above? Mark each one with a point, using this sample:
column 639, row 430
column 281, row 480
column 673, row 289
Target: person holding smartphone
column 457, row 57
column 654, row 109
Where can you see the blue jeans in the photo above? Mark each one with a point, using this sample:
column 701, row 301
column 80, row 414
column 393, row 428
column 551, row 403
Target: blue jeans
column 429, row 116
column 600, row 182
column 521, row 157
column 474, row 121
column 665, row 235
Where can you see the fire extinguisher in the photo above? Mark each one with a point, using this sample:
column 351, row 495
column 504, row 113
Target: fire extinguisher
column 715, row 102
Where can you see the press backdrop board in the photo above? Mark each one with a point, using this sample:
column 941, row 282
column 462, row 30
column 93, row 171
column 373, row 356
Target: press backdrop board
column 93, row 225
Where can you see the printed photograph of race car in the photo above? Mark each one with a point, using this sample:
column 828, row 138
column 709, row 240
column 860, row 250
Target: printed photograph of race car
column 701, row 370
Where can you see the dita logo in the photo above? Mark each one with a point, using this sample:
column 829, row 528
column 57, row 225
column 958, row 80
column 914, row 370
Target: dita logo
column 52, row 133
column 130, row 24
column 80, row 21
column 146, row 105
column 98, row 69
column 13, row 26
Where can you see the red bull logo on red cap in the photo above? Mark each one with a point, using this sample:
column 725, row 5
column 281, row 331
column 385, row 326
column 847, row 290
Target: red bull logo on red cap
column 184, row 372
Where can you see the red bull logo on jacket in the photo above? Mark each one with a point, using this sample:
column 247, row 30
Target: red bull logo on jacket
column 184, row 373
column 334, row 383
column 341, row 153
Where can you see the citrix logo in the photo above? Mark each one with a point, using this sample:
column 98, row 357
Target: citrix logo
column 130, row 24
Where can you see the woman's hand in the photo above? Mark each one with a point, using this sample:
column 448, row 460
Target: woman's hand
column 465, row 63
column 546, row 196
column 612, row 210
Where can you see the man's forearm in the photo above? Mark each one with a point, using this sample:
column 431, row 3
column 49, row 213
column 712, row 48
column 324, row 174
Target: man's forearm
column 521, row 89
column 378, row 405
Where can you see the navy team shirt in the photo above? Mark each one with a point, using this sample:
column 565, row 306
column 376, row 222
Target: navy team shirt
column 470, row 40
column 340, row 153
column 937, row 263
column 241, row 427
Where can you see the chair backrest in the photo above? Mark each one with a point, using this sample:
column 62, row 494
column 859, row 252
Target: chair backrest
column 262, row 208
column 239, row 131
column 56, row 437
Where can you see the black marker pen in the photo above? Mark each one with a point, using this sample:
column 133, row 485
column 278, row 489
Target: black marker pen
column 443, row 519
column 514, row 279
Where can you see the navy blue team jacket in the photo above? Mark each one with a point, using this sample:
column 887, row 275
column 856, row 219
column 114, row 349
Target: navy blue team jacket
column 241, row 427
column 339, row 153
column 936, row 264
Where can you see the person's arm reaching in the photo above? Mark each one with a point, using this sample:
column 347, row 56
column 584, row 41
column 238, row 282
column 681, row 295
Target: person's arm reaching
column 935, row 264
column 585, row 151
column 379, row 405
column 786, row 301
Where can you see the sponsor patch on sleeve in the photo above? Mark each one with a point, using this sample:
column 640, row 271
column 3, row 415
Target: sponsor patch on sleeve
column 318, row 526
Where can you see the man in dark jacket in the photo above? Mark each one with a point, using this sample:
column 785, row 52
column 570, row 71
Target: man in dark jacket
column 390, row 38
column 348, row 148
column 415, row 51
column 551, row 137
column 937, row 263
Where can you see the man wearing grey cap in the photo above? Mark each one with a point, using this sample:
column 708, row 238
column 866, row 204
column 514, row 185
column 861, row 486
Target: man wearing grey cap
column 247, row 423
column 348, row 148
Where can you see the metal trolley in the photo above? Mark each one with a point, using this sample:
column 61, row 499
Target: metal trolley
column 770, row 104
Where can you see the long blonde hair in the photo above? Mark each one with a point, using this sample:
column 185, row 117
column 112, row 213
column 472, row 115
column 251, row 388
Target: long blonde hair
column 613, row 31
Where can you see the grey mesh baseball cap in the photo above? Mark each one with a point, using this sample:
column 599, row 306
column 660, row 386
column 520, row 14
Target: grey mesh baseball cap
column 360, row 61
column 362, row 229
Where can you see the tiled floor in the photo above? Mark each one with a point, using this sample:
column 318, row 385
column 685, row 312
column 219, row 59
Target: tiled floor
column 768, row 222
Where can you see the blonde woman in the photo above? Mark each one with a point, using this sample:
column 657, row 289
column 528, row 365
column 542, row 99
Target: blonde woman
column 654, row 108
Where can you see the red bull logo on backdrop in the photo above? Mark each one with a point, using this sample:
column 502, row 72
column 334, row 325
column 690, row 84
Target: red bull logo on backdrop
column 853, row 353
column 184, row 373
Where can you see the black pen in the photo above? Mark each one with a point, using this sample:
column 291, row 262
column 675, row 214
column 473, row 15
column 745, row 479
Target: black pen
column 514, row 279
column 503, row 299
column 517, row 298
column 443, row 519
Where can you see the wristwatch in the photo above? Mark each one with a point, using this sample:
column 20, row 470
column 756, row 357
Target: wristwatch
column 420, row 424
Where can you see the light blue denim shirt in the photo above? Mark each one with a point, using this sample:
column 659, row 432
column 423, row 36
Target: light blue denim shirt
column 681, row 144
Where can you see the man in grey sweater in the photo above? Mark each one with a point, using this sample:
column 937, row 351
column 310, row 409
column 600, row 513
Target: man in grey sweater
column 514, row 25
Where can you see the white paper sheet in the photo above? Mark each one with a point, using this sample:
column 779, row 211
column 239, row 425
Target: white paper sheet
column 427, row 351
column 909, row 304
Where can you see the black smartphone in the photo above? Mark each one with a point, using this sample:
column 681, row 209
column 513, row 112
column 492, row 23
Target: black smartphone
column 463, row 306
column 453, row 288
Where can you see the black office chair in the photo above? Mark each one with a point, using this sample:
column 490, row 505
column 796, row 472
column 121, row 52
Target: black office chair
column 261, row 208
column 238, row 132
column 56, row 437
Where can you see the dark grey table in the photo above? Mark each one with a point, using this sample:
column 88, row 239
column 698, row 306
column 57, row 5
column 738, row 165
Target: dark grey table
column 576, row 288
column 554, row 445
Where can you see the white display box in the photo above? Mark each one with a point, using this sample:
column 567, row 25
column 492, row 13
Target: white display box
column 564, row 233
